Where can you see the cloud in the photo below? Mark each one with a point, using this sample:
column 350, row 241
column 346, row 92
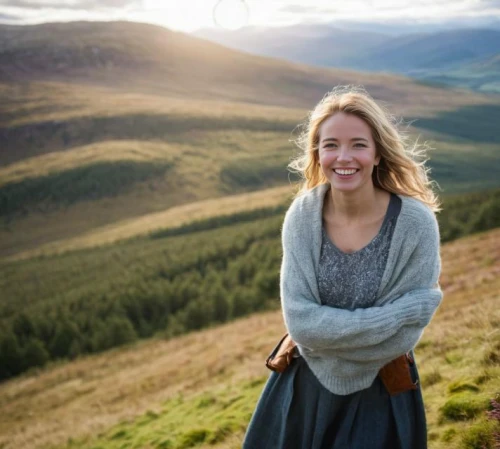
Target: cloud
column 487, row 4
column 9, row 18
column 301, row 9
column 65, row 4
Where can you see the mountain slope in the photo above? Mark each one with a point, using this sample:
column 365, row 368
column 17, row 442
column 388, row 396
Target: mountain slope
column 150, row 58
column 147, row 58
column 158, row 390
column 444, row 51
column 434, row 56
column 481, row 74
column 309, row 44
column 80, row 101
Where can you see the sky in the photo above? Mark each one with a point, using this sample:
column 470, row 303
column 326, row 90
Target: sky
column 190, row 15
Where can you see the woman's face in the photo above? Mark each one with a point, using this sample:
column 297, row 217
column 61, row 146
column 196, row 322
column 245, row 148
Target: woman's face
column 347, row 153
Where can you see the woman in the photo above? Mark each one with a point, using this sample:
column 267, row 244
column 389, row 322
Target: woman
column 359, row 282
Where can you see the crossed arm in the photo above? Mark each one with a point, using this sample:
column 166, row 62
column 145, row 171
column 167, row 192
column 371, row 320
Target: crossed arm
column 379, row 333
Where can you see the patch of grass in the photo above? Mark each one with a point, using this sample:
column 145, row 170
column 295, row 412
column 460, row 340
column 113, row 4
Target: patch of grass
column 453, row 357
column 422, row 344
column 458, row 386
column 432, row 436
column 255, row 382
column 193, row 438
column 491, row 357
column 480, row 435
column 206, row 402
column 463, row 406
column 222, row 432
column 119, row 434
column 205, row 418
column 431, row 378
column 484, row 377
column 165, row 444
column 448, row 435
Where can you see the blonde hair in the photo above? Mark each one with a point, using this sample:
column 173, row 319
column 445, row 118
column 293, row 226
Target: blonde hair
column 402, row 167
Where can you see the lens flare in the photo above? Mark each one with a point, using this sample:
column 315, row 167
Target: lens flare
column 231, row 14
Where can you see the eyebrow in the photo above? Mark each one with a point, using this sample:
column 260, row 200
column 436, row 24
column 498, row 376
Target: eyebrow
column 333, row 139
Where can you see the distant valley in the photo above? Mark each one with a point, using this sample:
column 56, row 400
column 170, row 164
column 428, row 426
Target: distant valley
column 466, row 58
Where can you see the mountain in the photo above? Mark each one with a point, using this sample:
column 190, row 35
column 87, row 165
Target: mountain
column 444, row 50
column 420, row 55
column 321, row 45
column 148, row 58
column 481, row 74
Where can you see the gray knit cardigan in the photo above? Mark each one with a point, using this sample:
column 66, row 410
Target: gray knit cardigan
column 346, row 349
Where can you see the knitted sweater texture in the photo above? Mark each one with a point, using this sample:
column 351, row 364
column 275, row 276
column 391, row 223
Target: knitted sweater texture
column 346, row 349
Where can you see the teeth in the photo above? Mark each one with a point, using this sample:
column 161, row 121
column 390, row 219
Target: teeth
column 344, row 172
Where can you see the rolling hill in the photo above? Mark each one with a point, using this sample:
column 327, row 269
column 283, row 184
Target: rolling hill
column 105, row 122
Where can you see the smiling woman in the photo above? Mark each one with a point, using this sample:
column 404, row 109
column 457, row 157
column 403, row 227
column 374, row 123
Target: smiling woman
column 358, row 285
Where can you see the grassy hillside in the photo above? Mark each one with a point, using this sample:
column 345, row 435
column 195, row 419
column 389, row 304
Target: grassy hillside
column 189, row 392
column 170, row 281
column 170, row 218
column 480, row 75
column 148, row 58
column 246, row 149
column 210, row 165
column 114, row 123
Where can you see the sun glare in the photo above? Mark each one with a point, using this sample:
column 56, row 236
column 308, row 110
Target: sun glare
column 231, row 14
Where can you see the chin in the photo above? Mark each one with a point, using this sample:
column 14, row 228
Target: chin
column 349, row 187
column 344, row 187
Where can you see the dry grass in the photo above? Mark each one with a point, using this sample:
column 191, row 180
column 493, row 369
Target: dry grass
column 108, row 151
column 170, row 218
column 195, row 177
column 92, row 394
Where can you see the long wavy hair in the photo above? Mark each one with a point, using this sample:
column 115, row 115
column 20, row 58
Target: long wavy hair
column 402, row 167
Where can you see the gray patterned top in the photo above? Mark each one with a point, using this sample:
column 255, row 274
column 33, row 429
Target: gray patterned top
column 351, row 280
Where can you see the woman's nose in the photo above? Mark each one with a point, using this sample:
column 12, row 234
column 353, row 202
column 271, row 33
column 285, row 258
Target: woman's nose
column 344, row 154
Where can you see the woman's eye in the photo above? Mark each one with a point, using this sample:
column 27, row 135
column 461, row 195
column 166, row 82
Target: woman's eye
column 361, row 145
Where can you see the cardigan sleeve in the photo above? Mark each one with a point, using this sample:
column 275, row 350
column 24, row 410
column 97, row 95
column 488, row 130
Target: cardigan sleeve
column 319, row 327
column 382, row 353
column 407, row 337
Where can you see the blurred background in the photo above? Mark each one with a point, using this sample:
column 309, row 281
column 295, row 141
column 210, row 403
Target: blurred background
column 143, row 184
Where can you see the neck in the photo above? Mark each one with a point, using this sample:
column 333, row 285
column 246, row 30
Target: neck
column 353, row 206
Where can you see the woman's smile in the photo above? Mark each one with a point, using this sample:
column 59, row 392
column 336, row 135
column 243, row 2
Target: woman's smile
column 345, row 173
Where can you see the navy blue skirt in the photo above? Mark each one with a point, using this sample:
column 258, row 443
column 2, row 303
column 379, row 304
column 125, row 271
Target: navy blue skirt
column 295, row 411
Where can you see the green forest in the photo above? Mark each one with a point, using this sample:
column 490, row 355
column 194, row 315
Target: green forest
column 164, row 284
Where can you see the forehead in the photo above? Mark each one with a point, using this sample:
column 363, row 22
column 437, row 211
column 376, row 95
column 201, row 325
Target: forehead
column 342, row 125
